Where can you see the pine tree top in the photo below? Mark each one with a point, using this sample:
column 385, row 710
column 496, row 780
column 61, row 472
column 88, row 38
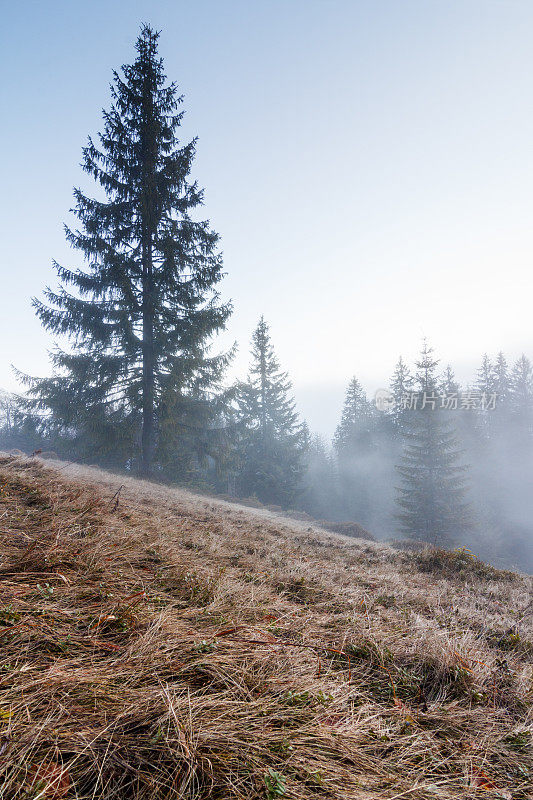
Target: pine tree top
column 144, row 171
column 357, row 420
column 402, row 380
column 266, row 397
column 426, row 368
column 448, row 385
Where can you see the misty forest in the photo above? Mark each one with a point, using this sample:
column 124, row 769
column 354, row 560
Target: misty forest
column 266, row 402
column 138, row 385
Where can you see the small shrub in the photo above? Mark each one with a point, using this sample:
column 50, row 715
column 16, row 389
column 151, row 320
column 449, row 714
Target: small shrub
column 306, row 699
column 275, row 784
column 509, row 641
column 205, row 647
column 8, row 616
column 459, row 563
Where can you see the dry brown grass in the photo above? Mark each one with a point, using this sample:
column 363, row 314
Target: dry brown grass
column 180, row 647
column 346, row 528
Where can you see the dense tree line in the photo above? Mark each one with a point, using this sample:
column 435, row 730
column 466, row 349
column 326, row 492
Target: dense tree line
column 441, row 464
column 137, row 387
column 254, row 446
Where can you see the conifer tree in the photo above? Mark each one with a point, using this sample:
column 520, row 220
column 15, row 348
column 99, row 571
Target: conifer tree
column 355, row 430
column 141, row 315
column 520, row 410
column 356, row 445
column 273, row 440
column 402, row 380
column 521, row 392
column 500, row 381
column 401, row 386
column 431, row 497
column 448, row 384
column 514, row 501
column 485, row 386
column 8, row 410
column 485, row 376
column 499, row 418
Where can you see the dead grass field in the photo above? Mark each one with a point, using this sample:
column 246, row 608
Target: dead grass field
column 171, row 646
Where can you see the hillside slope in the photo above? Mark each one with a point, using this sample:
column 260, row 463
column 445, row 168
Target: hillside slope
column 155, row 644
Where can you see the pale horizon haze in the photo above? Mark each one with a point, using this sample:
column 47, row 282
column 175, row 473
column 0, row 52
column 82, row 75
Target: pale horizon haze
column 368, row 166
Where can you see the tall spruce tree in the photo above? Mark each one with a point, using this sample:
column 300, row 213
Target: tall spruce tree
column 500, row 385
column 448, row 385
column 500, row 381
column 485, row 386
column 521, row 395
column 141, row 315
column 356, row 428
column 401, row 381
column 401, row 386
column 431, row 497
column 273, row 440
column 356, row 446
column 485, row 376
column 516, row 465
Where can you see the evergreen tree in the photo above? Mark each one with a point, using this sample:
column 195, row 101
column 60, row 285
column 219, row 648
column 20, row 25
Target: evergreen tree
column 485, row 386
column 448, row 385
column 401, row 386
column 510, row 494
column 17, row 430
column 499, row 417
column 486, row 376
column 521, row 395
column 357, row 425
column 141, row 316
column 426, row 367
column 8, row 410
column 500, row 381
column 432, row 493
column 355, row 444
column 273, row 440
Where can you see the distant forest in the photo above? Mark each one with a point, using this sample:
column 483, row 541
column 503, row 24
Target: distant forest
column 138, row 388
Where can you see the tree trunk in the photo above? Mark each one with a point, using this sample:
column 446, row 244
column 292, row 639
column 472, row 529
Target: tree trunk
column 148, row 227
column 148, row 423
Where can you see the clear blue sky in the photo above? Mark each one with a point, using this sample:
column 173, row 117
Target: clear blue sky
column 368, row 163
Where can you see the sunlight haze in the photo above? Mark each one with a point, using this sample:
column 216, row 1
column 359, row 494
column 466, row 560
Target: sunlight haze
column 367, row 165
